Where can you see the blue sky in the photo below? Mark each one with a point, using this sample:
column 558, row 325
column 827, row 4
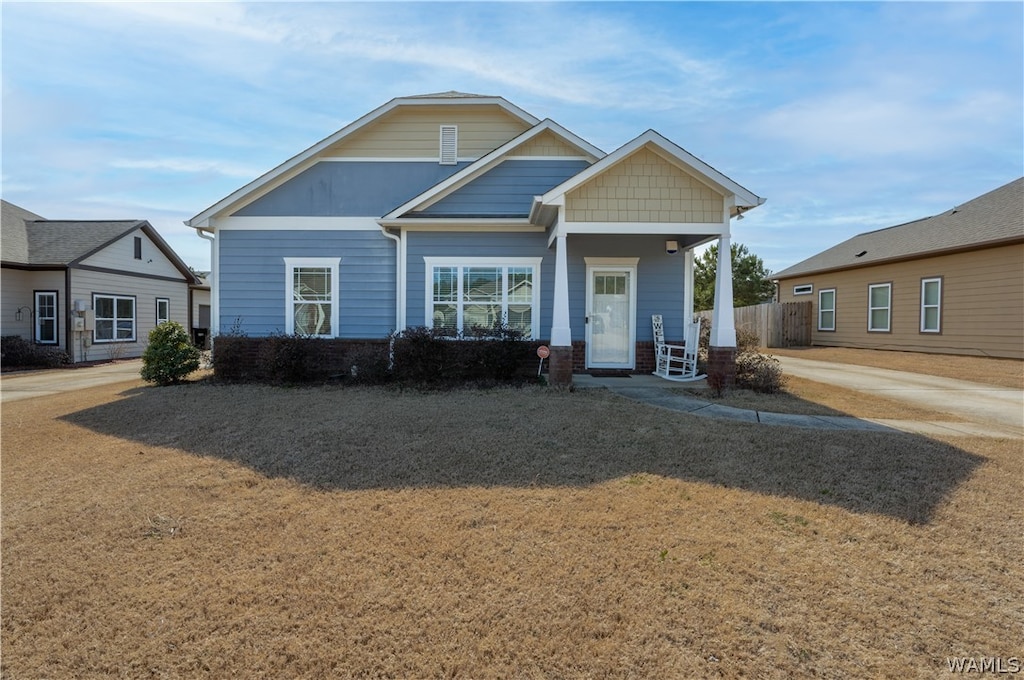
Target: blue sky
column 847, row 117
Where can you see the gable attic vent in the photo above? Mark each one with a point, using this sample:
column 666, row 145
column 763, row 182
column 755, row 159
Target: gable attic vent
column 449, row 144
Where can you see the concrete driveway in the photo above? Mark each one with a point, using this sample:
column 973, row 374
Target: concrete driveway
column 1002, row 406
column 26, row 384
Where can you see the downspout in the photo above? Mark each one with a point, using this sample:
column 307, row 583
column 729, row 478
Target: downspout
column 214, row 286
column 69, row 332
column 399, row 276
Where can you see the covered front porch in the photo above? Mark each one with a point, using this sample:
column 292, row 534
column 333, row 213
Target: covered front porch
column 623, row 234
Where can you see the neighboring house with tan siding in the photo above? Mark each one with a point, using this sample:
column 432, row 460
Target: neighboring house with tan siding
column 93, row 288
column 952, row 283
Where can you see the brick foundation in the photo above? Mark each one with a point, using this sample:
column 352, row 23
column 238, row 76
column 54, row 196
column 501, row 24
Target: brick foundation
column 722, row 361
column 560, row 366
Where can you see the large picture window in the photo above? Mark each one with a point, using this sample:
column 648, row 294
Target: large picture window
column 46, row 317
column 463, row 293
column 115, row 318
column 931, row 305
column 827, row 309
column 879, row 307
column 312, row 296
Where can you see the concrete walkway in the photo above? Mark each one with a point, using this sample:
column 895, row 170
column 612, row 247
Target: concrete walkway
column 26, row 384
column 988, row 411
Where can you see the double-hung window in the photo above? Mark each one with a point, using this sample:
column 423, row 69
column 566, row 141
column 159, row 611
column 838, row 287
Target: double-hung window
column 163, row 310
column 879, row 307
column 311, row 296
column 115, row 318
column 467, row 293
column 931, row 305
column 827, row 309
column 46, row 317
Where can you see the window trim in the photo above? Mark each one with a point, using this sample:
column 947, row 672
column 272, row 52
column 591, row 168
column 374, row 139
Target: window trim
column 937, row 306
column 290, row 264
column 430, row 262
column 115, row 297
column 36, row 317
column 821, row 309
column 804, row 289
column 887, row 308
column 166, row 301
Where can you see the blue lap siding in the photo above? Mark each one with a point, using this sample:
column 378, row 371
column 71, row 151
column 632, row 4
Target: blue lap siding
column 349, row 189
column 253, row 288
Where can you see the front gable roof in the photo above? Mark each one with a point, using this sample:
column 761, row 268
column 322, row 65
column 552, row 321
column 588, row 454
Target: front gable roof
column 994, row 218
column 544, row 210
column 489, row 162
column 297, row 162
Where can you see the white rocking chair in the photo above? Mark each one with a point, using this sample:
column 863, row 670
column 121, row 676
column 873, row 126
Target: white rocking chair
column 676, row 362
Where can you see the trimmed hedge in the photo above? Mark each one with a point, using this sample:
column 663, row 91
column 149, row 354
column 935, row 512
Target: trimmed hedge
column 17, row 352
column 417, row 356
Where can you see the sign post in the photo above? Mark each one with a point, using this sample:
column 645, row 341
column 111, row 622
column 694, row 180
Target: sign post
column 543, row 352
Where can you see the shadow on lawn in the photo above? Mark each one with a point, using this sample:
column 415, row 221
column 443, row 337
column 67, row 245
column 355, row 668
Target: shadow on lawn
column 335, row 438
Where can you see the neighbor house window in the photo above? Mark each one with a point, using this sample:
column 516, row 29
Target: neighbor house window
column 163, row 310
column 463, row 293
column 115, row 318
column 805, row 289
column 46, row 317
column 312, row 296
column 879, row 307
column 138, row 247
column 931, row 305
column 827, row 309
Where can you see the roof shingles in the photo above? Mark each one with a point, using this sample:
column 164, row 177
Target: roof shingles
column 993, row 218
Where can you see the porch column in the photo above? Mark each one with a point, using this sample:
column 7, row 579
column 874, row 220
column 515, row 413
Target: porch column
column 560, row 363
column 688, row 289
column 722, row 350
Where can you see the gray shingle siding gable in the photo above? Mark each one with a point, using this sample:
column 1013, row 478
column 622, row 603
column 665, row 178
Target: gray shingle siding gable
column 253, row 288
column 505, row 191
column 349, row 189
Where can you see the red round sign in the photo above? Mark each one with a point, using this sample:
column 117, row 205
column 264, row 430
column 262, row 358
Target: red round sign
column 543, row 352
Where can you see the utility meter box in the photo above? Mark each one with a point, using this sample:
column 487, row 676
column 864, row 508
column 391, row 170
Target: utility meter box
column 77, row 324
column 90, row 320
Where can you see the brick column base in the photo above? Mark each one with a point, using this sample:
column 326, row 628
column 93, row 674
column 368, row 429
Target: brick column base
column 722, row 361
column 560, row 367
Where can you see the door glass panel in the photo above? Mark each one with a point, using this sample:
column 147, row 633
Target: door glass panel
column 609, row 318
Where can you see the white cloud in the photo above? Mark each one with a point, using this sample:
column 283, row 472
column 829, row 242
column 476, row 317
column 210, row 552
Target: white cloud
column 190, row 165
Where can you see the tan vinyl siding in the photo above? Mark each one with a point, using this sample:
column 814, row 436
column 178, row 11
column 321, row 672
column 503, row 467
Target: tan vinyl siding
column 982, row 309
column 145, row 291
column 644, row 188
column 414, row 132
column 545, row 144
column 120, row 255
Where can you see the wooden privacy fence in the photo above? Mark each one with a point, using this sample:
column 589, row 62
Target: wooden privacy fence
column 777, row 324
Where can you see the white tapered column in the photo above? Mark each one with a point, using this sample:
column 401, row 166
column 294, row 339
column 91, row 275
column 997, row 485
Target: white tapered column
column 723, row 326
column 560, row 367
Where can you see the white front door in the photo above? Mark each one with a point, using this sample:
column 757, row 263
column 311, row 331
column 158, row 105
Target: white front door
column 611, row 314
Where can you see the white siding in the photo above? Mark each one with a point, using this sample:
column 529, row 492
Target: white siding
column 120, row 255
column 16, row 290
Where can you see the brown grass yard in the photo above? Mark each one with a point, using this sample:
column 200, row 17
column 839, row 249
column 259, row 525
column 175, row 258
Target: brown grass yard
column 245, row 531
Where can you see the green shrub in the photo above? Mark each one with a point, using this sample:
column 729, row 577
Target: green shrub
column 431, row 356
column 170, row 354
column 368, row 364
column 293, row 359
column 16, row 351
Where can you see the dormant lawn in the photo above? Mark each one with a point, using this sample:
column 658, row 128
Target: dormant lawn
column 245, row 531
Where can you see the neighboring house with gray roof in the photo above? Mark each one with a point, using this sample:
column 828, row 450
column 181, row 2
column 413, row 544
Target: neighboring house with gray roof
column 952, row 283
column 92, row 288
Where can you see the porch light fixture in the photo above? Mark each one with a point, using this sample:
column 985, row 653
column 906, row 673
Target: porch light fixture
column 671, row 247
column 18, row 315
